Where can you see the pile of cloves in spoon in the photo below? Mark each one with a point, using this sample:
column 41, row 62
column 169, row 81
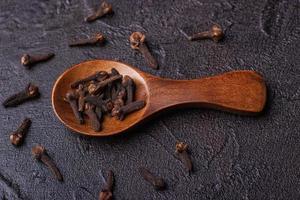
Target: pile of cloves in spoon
column 103, row 93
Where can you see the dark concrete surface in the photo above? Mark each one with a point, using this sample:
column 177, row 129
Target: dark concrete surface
column 235, row 157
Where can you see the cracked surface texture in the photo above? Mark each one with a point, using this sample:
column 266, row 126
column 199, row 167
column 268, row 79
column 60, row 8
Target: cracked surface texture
column 234, row 157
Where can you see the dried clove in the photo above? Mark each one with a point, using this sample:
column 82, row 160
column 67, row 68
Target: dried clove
column 129, row 108
column 130, row 88
column 17, row 137
column 113, row 92
column 95, row 100
column 31, row 92
column 39, row 152
column 137, row 42
column 90, row 112
column 109, row 105
column 29, row 60
column 215, row 33
column 104, row 9
column 114, row 72
column 96, row 39
column 92, row 87
column 81, row 94
column 71, row 98
column 98, row 111
column 157, row 182
column 183, row 155
column 107, row 91
column 105, row 82
column 106, row 192
column 103, row 94
column 89, row 78
column 98, row 102
column 118, row 102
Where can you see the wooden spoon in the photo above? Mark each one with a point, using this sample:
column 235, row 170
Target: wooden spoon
column 242, row 92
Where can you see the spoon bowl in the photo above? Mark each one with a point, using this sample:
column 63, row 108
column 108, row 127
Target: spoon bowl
column 242, row 92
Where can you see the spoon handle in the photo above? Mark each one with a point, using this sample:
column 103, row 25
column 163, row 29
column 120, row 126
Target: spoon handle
column 242, row 92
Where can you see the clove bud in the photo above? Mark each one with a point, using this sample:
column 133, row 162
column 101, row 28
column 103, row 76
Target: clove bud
column 40, row 153
column 31, row 92
column 71, row 98
column 96, row 39
column 138, row 42
column 81, row 94
column 104, row 83
column 128, row 83
column 183, row 155
column 129, row 108
column 17, row 137
column 157, row 182
column 104, row 9
column 90, row 112
column 215, row 33
column 106, row 192
column 90, row 78
column 29, row 60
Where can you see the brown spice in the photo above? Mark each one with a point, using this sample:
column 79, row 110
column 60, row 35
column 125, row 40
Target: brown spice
column 31, row 92
column 104, row 9
column 157, row 182
column 39, row 152
column 17, row 137
column 215, row 33
column 29, row 60
column 183, row 155
column 103, row 93
column 138, row 42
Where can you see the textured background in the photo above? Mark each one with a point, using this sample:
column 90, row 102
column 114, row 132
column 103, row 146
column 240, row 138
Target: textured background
column 235, row 157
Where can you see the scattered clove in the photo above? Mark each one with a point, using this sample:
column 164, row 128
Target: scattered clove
column 29, row 60
column 215, row 33
column 104, row 9
column 157, row 182
column 183, row 155
column 39, row 152
column 103, row 94
column 31, row 92
column 137, row 42
column 17, row 137
column 71, row 98
column 96, row 39
column 106, row 192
